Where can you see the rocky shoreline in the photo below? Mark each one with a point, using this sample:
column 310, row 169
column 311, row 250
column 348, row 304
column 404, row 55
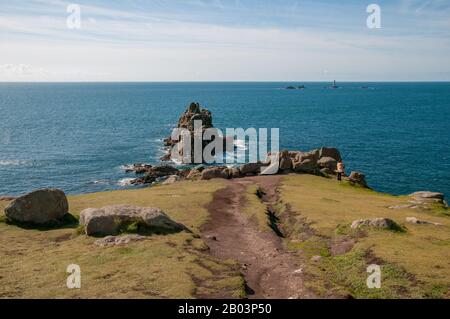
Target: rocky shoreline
column 322, row 161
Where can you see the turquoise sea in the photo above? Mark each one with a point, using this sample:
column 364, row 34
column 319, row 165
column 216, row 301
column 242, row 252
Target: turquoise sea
column 78, row 136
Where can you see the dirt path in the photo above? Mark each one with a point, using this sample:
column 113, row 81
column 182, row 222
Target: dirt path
column 269, row 270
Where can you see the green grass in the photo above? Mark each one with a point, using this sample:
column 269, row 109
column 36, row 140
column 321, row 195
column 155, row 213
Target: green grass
column 350, row 271
column 415, row 259
column 34, row 262
column 255, row 209
column 313, row 246
column 314, row 214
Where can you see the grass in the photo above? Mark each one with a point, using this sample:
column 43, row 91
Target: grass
column 415, row 262
column 255, row 209
column 34, row 261
column 313, row 213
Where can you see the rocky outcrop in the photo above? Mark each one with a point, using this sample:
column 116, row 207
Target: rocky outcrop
column 154, row 173
column 311, row 162
column 330, row 152
column 113, row 220
column 138, row 168
column 171, row 179
column 109, row 241
column 195, row 112
column 187, row 120
column 235, row 172
column 382, row 223
column 322, row 162
column 328, row 163
column 7, row 198
column 423, row 200
column 358, row 178
column 250, row 169
column 300, row 87
column 215, row 172
column 286, row 161
column 414, row 220
column 305, row 166
column 40, row 207
column 194, row 174
column 427, row 198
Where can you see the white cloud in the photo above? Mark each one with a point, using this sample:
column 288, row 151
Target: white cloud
column 21, row 70
column 115, row 45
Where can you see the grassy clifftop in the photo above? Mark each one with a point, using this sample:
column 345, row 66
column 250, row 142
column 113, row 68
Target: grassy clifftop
column 313, row 214
column 414, row 263
column 33, row 262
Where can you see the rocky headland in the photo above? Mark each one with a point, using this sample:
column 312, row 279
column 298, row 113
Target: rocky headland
column 280, row 228
column 322, row 161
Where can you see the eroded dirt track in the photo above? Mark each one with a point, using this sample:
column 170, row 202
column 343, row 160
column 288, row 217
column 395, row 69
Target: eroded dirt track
column 270, row 271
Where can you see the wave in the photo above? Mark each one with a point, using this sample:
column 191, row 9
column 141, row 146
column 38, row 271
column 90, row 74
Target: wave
column 241, row 144
column 13, row 162
column 125, row 182
column 238, row 155
column 127, row 167
column 99, row 182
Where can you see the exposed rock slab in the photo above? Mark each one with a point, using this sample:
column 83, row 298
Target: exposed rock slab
column 171, row 179
column 215, row 172
column 427, row 195
column 112, row 220
column 414, row 220
column 118, row 240
column 426, row 198
column 38, row 207
column 154, row 173
column 358, row 178
column 382, row 223
column 328, row 163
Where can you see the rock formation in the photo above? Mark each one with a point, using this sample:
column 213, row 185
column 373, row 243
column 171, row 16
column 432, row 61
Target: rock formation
column 321, row 161
column 153, row 173
column 312, row 162
column 383, row 223
column 187, row 120
column 171, row 179
column 414, row 220
column 118, row 240
column 39, row 207
column 7, row 198
column 423, row 200
column 215, row 172
column 357, row 178
column 138, row 168
column 112, row 220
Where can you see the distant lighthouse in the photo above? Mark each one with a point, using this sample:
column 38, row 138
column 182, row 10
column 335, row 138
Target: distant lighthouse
column 334, row 86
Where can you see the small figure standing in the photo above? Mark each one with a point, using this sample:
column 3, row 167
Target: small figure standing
column 340, row 170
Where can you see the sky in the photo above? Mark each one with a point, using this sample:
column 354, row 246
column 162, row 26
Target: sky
column 224, row 40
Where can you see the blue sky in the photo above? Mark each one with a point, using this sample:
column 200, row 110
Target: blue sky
column 220, row 40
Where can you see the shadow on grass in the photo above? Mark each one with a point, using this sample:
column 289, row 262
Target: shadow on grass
column 139, row 228
column 68, row 221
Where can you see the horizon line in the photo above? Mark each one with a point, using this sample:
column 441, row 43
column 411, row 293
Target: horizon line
column 230, row 81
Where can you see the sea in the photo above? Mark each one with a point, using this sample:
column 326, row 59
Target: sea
column 79, row 136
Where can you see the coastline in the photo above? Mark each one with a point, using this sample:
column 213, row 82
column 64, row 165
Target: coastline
column 314, row 218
